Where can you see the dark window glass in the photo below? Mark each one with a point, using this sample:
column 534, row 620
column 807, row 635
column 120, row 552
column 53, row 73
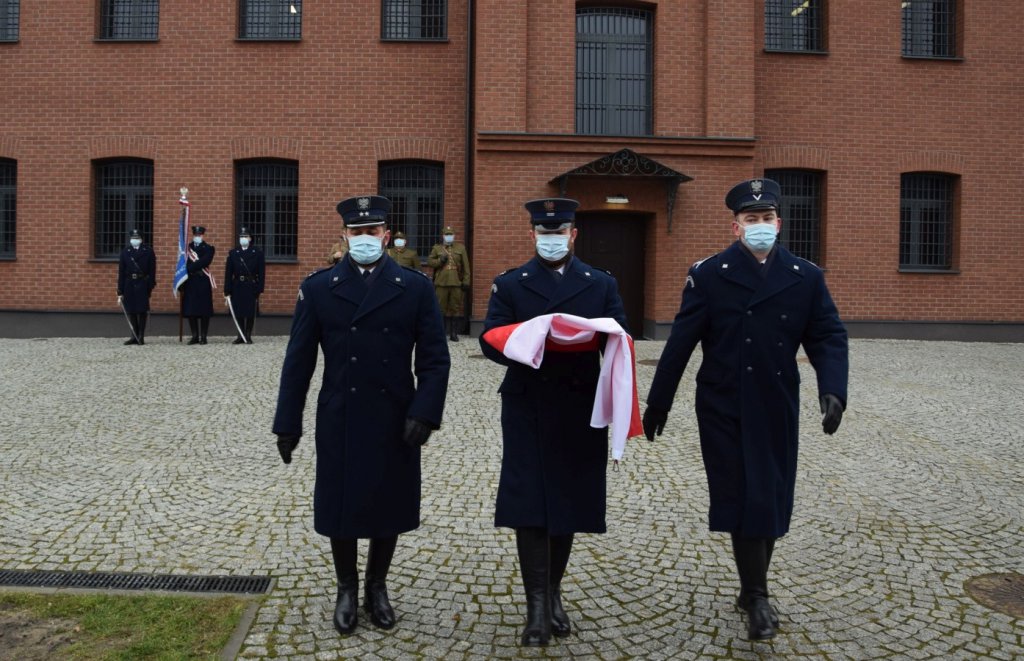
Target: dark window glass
column 415, row 20
column 416, row 191
column 270, row 19
column 267, row 203
column 929, row 28
column 613, row 71
column 800, row 212
column 794, row 25
column 926, row 221
column 124, row 201
column 130, row 20
column 8, row 205
column 9, row 19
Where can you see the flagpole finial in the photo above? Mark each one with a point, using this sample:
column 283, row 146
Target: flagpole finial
column 184, row 192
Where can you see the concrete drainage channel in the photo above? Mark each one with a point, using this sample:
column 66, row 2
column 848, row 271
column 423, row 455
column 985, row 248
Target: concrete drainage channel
column 127, row 583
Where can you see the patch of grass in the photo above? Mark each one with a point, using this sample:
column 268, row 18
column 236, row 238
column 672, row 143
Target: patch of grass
column 136, row 626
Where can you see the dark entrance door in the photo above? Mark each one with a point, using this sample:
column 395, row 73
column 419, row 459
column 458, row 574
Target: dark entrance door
column 615, row 242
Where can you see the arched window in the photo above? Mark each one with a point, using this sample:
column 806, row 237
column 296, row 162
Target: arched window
column 124, row 201
column 267, row 204
column 416, row 191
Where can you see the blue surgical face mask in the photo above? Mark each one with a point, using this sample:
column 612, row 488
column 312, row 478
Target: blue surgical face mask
column 136, row 242
column 244, row 242
column 552, row 247
column 449, row 239
column 365, row 248
column 197, row 240
column 399, row 243
column 760, row 237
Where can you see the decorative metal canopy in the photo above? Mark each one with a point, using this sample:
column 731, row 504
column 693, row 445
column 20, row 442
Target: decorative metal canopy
column 627, row 163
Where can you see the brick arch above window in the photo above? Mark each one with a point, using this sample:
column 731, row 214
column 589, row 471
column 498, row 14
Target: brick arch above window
column 931, row 161
column 123, row 146
column 416, row 149
column 803, row 157
column 259, row 148
column 10, row 147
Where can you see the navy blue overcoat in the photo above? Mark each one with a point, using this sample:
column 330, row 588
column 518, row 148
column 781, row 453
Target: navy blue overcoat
column 553, row 462
column 136, row 277
column 244, row 272
column 748, row 384
column 374, row 338
column 198, row 288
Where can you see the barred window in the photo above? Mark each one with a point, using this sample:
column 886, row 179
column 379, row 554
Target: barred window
column 800, row 212
column 270, row 19
column 267, row 203
column 926, row 221
column 613, row 71
column 416, row 191
column 929, row 28
column 124, row 201
column 8, row 206
column 794, row 25
column 129, row 20
column 9, row 20
column 414, row 20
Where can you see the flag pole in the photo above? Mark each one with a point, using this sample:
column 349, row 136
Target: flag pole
column 180, row 271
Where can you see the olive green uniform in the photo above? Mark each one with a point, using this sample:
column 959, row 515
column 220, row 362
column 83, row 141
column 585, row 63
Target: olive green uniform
column 405, row 257
column 451, row 275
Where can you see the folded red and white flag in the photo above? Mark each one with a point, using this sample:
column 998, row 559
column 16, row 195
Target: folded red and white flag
column 616, row 402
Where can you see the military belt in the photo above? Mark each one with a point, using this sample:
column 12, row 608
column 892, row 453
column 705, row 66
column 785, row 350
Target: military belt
column 247, row 278
column 139, row 276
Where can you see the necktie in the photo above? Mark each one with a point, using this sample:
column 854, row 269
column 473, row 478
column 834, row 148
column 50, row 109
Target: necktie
column 366, row 274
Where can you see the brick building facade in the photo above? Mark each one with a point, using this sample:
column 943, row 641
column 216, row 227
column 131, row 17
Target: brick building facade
column 895, row 127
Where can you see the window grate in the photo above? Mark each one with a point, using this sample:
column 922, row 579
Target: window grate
column 929, row 28
column 124, row 201
column 416, row 191
column 129, row 20
column 613, row 71
column 8, row 206
column 800, row 212
column 10, row 18
column 926, row 221
column 123, row 581
column 414, row 20
column 270, row 19
column 794, row 25
column 267, row 203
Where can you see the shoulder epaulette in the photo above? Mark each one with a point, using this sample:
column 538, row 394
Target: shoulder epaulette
column 506, row 271
column 312, row 273
column 808, row 261
column 409, row 268
column 701, row 261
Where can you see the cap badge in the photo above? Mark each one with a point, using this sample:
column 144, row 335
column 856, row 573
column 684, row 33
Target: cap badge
column 363, row 202
column 755, row 186
column 549, row 205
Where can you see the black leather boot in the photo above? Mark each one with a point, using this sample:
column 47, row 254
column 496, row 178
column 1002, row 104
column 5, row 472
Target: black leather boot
column 204, row 324
column 141, row 329
column 378, row 563
column 345, row 606
column 751, row 556
column 247, row 325
column 561, row 546
column 535, row 564
column 193, row 325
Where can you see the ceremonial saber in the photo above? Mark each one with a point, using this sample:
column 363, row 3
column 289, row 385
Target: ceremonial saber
column 235, row 319
column 120, row 302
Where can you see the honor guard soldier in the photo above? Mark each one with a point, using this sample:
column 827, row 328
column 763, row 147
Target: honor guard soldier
column 751, row 307
column 244, row 272
column 450, row 262
column 136, row 277
column 553, row 462
column 385, row 377
column 403, row 254
column 337, row 251
column 198, row 288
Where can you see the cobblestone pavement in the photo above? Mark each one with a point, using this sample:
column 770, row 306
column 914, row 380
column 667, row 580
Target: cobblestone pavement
column 159, row 459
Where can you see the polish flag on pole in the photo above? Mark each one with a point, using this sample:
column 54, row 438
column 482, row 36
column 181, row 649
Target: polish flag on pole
column 616, row 402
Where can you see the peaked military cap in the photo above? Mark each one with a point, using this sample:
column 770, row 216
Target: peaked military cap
column 364, row 210
column 135, row 235
column 552, row 212
column 754, row 195
column 448, row 230
column 399, row 235
column 244, row 232
column 198, row 229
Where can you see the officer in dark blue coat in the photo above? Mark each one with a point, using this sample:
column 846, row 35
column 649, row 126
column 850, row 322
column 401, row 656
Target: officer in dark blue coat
column 198, row 301
column 751, row 307
column 244, row 272
column 379, row 326
column 553, row 463
column 136, row 277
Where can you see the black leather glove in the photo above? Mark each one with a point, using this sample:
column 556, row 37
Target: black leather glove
column 443, row 257
column 654, row 422
column 832, row 410
column 285, row 444
column 416, row 432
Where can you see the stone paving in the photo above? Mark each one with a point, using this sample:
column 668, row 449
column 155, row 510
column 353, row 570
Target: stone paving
column 159, row 459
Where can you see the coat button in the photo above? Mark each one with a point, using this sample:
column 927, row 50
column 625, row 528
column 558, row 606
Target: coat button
column 352, row 389
column 385, row 330
column 783, row 317
column 750, row 313
column 353, row 359
column 779, row 373
column 385, row 361
column 747, row 341
column 780, row 344
column 383, row 390
column 353, row 329
column 749, row 369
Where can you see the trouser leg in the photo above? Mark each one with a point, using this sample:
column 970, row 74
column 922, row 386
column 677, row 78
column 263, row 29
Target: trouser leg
column 193, row 325
column 247, row 327
column 535, row 565
column 344, row 554
column 204, row 329
column 561, row 547
column 378, row 563
column 751, row 555
column 140, row 329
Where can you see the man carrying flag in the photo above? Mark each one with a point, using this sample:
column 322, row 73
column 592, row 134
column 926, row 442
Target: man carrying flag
column 198, row 288
column 553, row 463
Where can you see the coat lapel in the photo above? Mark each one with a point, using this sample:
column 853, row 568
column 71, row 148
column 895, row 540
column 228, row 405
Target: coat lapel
column 346, row 283
column 577, row 278
column 783, row 273
column 735, row 265
column 388, row 284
